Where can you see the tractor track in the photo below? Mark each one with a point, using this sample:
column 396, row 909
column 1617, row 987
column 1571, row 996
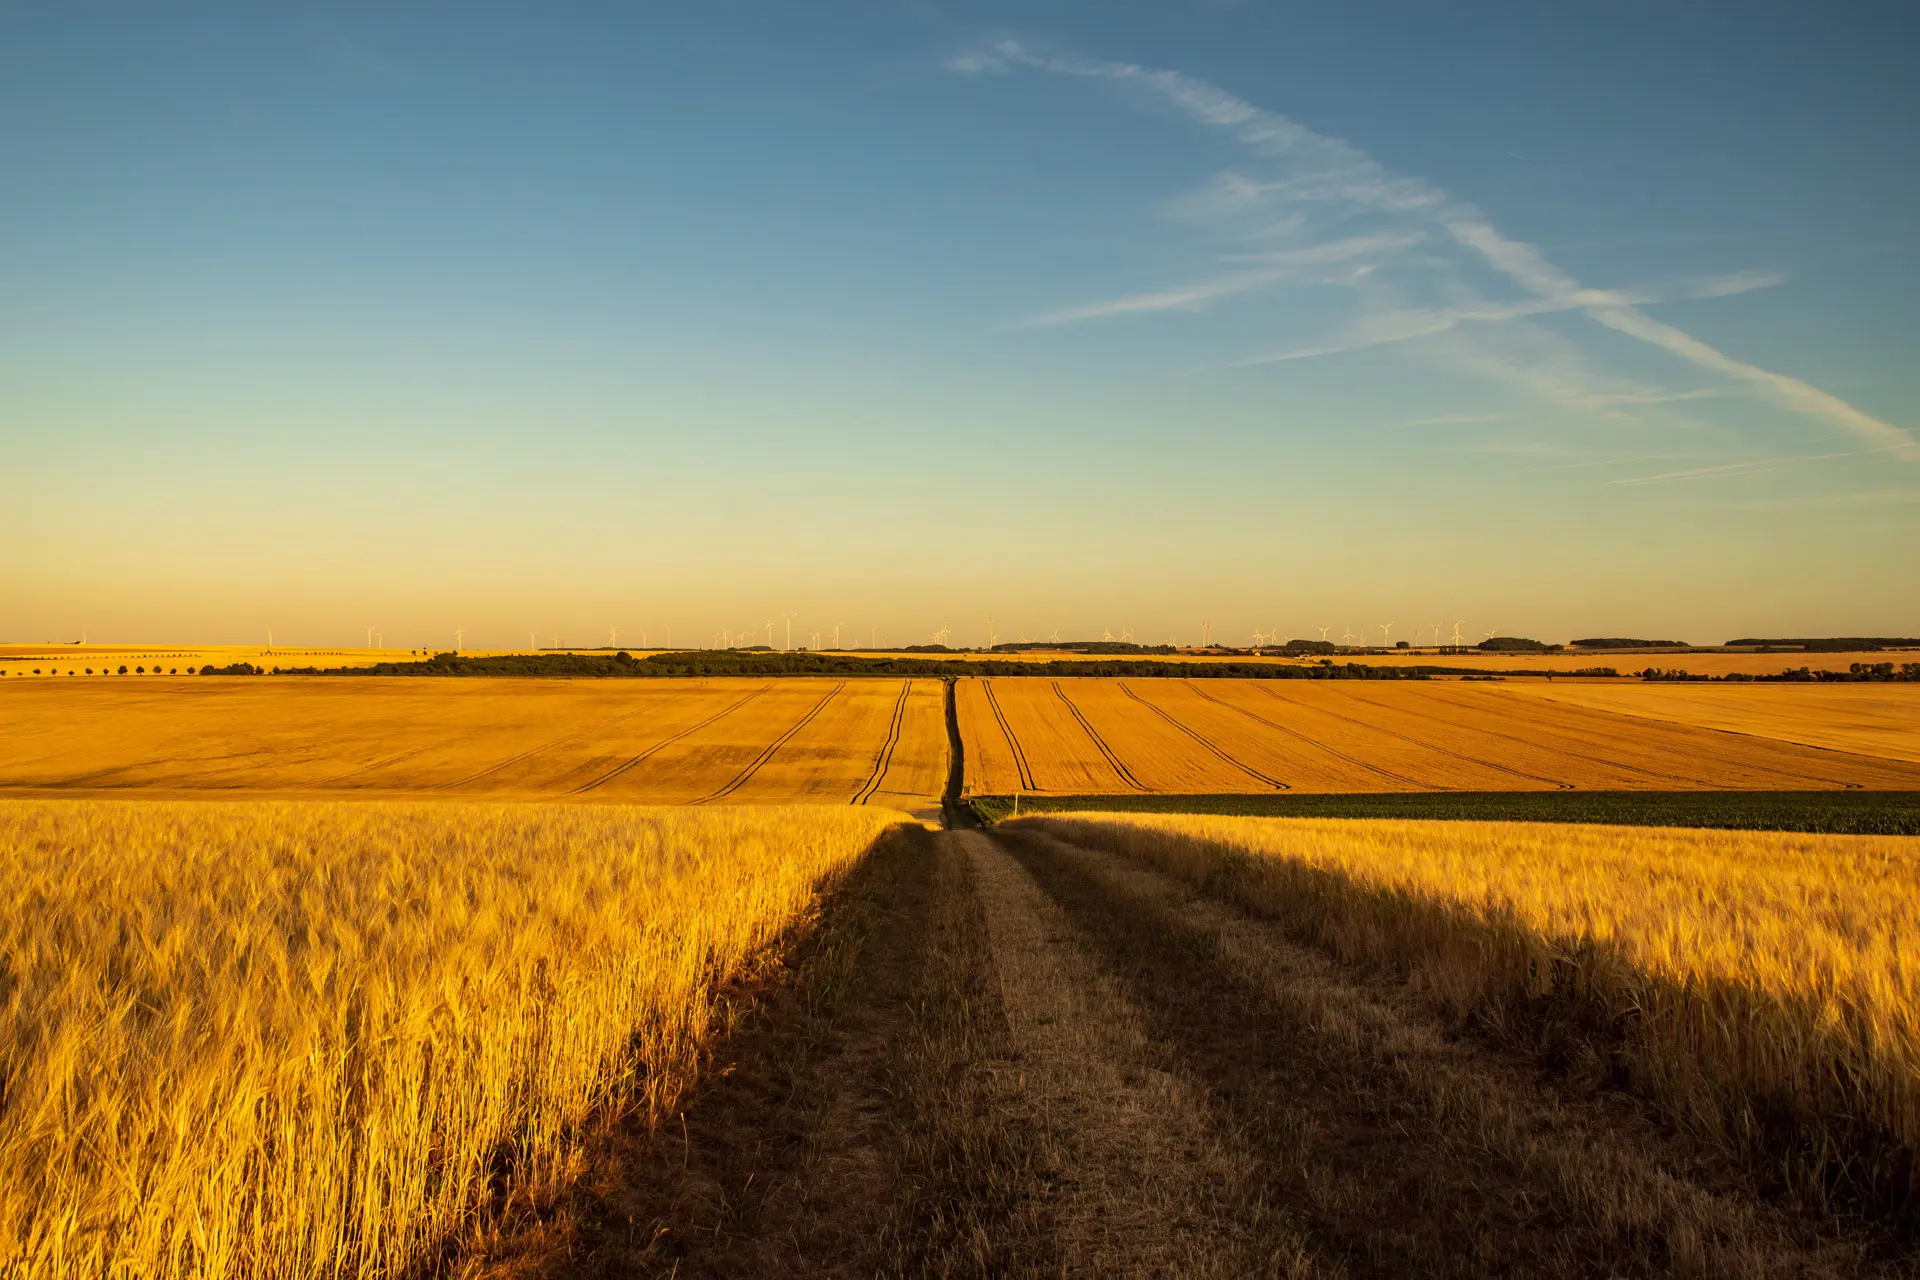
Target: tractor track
column 1457, row 755
column 1204, row 741
column 1125, row 773
column 561, row 741
column 1797, row 777
column 1315, row 743
column 885, row 758
column 1527, row 742
column 377, row 764
column 623, row 767
column 773, row 747
column 1013, row 743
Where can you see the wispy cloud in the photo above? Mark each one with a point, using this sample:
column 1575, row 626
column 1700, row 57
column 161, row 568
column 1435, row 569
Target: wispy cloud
column 1750, row 467
column 1383, row 328
column 1456, row 420
column 1321, row 171
column 1260, row 270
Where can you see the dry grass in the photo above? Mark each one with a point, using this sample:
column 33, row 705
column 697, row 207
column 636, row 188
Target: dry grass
column 1757, row 986
column 1867, row 719
column 1108, row 737
column 640, row 741
column 327, row 1040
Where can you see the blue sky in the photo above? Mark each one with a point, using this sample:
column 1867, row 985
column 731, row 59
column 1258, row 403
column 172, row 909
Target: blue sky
column 1596, row 319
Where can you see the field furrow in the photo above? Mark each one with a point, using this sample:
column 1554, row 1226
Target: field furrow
column 1058, row 752
column 635, row 740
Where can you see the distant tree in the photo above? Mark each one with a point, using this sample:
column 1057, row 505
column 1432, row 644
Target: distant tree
column 123, row 668
column 89, row 670
column 139, row 671
column 1511, row 644
column 1402, row 644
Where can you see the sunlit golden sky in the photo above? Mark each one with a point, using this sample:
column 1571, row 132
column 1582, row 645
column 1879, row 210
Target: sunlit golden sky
column 1078, row 319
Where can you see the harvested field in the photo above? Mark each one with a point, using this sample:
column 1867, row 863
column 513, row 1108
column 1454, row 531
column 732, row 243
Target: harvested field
column 297, row 1039
column 654, row 741
column 1863, row 719
column 1094, row 736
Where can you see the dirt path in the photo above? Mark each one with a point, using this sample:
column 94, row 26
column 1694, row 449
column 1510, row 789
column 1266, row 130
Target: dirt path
column 1399, row 1149
column 1005, row 1055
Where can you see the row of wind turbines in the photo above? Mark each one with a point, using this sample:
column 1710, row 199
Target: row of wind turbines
column 726, row 638
column 1349, row 637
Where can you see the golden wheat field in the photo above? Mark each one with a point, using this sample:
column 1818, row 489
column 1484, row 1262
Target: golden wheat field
column 1103, row 737
column 280, row 1039
column 1628, row 661
column 1866, row 719
column 1525, row 664
column 661, row 741
column 1754, row 978
column 80, row 660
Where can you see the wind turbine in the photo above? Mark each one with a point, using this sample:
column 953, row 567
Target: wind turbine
column 379, row 639
column 1491, row 634
column 873, row 637
column 1323, row 632
column 769, row 633
column 612, row 632
column 369, row 637
column 1055, row 637
column 788, row 619
column 531, row 638
column 1457, row 639
column 1386, row 629
column 669, row 637
column 1106, row 634
column 1347, row 636
column 1206, row 633
column 459, row 635
column 1126, row 634
column 836, row 635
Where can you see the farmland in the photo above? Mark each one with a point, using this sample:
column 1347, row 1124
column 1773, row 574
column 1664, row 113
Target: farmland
column 1880, row 720
column 671, row 742
column 1219, row 736
column 1707, row 662
column 1790, row 946
column 298, row 1039
column 433, row 993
